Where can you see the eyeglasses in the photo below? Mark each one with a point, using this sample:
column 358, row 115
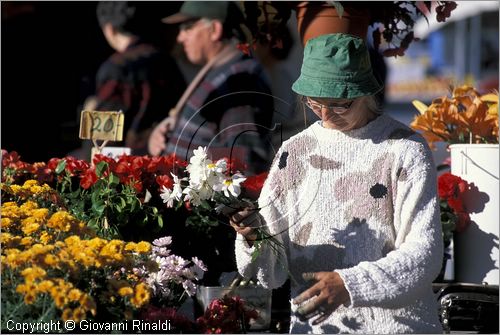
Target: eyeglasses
column 338, row 108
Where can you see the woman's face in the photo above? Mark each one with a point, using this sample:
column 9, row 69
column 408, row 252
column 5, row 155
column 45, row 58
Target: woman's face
column 341, row 114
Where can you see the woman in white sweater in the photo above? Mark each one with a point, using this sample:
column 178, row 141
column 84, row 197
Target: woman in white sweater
column 353, row 200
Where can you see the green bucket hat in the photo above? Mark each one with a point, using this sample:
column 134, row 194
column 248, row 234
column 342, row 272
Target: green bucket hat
column 336, row 66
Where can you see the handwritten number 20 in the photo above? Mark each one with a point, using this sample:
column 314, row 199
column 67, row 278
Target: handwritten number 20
column 96, row 124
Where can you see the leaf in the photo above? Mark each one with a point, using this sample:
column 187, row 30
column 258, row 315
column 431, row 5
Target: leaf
column 113, row 180
column 101, row 168
column 61, row 166
column 160, row 221
column 338, row 7
column 98, row 207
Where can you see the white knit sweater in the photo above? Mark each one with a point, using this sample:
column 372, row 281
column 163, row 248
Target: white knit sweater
column 362, row 203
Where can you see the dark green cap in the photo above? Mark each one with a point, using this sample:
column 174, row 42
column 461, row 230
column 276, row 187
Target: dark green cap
column 336, row 66
column 217, row 10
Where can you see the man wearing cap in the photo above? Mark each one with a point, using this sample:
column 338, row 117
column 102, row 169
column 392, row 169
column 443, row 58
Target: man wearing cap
column 228, row 106
column 353, row 200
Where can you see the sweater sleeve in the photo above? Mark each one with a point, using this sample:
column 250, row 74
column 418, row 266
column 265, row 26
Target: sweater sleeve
column 407, row 272
column 270, row 267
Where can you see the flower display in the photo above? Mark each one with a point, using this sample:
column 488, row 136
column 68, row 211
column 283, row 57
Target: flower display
column 210, row 188
column 465, row 117
column 174, row 278
column 227, row 315
column 454, row 215
column 111, row 196
column 54, row 266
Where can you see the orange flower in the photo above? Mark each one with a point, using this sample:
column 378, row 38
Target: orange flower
column 466, row 117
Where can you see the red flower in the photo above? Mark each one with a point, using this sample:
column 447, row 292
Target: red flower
column 225, row 315
column 253, row 185
column 450, row 185
column 89, row 178
column 452, row 188
column 166, row 181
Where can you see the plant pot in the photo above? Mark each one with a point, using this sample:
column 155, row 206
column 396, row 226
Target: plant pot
column 476, row 248
column 319, row 18
column 255, row 297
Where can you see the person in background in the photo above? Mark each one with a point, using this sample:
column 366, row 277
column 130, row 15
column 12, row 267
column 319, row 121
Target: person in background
column 228, row 106
column 353, row 200
column 138, row 79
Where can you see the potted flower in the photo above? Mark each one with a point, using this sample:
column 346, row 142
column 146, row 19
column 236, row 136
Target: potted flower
column 468, row 122
column 393, row 21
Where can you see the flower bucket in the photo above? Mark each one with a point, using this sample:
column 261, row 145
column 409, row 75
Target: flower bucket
column 255, row 297
column 476, row 248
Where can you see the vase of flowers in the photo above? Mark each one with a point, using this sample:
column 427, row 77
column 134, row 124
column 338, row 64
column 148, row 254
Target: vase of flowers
column 468, row 122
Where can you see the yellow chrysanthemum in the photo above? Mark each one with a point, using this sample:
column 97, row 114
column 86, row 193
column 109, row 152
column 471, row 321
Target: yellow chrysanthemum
column 67, row 314
column 40, row 214
column 130, row 246
column 5, row 237
column 22, row 288
column 96, row 243
column 28, row 206
column 45, row 237
column 50, row 260
column 45, row 286
column 74, row 294
column 30, row 228
column 112, row 249
column 143, row 247
column 6, row 222
column 60, row 220
column 125, row 291
column 79, row 314
column 60, row 300
column 27, row 241
column 141, row 295
column 33, row 273
column 30, row 298
column 16, row 189
column 73, row 240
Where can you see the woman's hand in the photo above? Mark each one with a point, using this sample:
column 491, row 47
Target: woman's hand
column 328, row 294
column 245, row 221
column 158, row 137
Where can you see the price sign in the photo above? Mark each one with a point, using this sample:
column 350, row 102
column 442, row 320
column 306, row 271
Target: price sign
column 106, row 126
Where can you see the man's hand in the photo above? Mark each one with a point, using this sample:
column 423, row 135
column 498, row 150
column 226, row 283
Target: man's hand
column 158, row 137
column 328, row 294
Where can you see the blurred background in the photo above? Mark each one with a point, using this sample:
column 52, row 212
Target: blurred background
column 51, row 52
